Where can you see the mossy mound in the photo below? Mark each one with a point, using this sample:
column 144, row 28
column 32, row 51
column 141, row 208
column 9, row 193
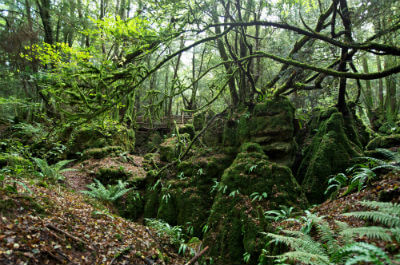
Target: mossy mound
column 236, row 218
column 329, row 153
column 13, row 160
column 184, row 197
column 131, row 205
column 98, row 153
column 389, row 141
column 172, row 147
column 187, row 128
column 110, row 175
column 270, row 124
column 87, row 137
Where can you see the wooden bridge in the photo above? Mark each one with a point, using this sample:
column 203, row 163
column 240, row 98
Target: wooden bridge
column 162, row 124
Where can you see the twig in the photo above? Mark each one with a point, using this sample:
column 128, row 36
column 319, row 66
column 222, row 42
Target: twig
column 69, row 235
column 195, row 258
column 124, row 251
column 158, row 242
column 55, row 257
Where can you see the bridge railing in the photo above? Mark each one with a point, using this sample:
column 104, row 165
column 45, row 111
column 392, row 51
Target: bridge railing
column 143, row 121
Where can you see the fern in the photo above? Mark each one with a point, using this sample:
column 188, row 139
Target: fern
column 376, row 232
column 364, row 253
column 377, row 216
column 328, row 249
column 52, row 172
column 109, row 194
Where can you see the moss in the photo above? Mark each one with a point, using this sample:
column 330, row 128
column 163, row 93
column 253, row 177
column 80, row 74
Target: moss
column 85, row 138
column 234, row 222
column 154, row 141
column 384, row 142
column 187, row 128
column 110, row 175
column 270, row 124
column 13, row 160
column 130, row 206
column 329, row 153
column 94, row 136
column 123, row 137
column 99, row 153
column 151, row 203
column 172, row 147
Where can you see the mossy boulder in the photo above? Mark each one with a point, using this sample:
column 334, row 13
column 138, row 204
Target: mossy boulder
column 131, row 205
column 187, row 198
column 110, row 175
column 235, row 220
column 389, row 141
column 13, row 160
column 187, row 128
column 98, row 153
column 92, row 136
column 172, row 147
column 330, row 152
column 270, row 124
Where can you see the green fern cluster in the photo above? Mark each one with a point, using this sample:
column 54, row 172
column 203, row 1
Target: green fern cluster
column 361, row 174
column 338, row 246
column 106, row 194
column 52, row 172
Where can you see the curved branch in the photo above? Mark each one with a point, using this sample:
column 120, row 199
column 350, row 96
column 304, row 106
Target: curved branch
column 362, row 76
column 367, row 46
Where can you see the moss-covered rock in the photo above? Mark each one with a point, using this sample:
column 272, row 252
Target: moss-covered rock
column 235, row 221
column 131, row 205
column 92, row 136
column 123, row 137
column 187, row 128
column 384, row 142
column 329, row 153
column 270, row 124
column 102, row 152
column 187, row 198
column 13, row 160
column 110, row 175
column 172, row 147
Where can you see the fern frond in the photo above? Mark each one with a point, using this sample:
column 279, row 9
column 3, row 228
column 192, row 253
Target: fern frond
column 59, row 165
column 298, row 241
column 387, row 207
column 373, row 232
column 390, row 155
column 305, row 257
column 376, row 216
column 365, row 252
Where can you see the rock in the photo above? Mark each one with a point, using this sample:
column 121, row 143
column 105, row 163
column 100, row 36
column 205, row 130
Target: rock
column 235, row 220
column 270, row 124
column 102, row 152
column 171, row 148
column 330, row 152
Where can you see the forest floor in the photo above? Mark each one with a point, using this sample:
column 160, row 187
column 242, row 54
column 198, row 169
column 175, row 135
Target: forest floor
column 56, row 224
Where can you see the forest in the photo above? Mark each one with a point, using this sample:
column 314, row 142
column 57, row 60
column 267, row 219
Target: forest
column 199, row 132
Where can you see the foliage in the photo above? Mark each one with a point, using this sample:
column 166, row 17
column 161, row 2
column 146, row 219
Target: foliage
column 107, row 194
column 358, row 176
column 277, row 215
column 174, row 233
column 52, row 172
column 337, row 246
